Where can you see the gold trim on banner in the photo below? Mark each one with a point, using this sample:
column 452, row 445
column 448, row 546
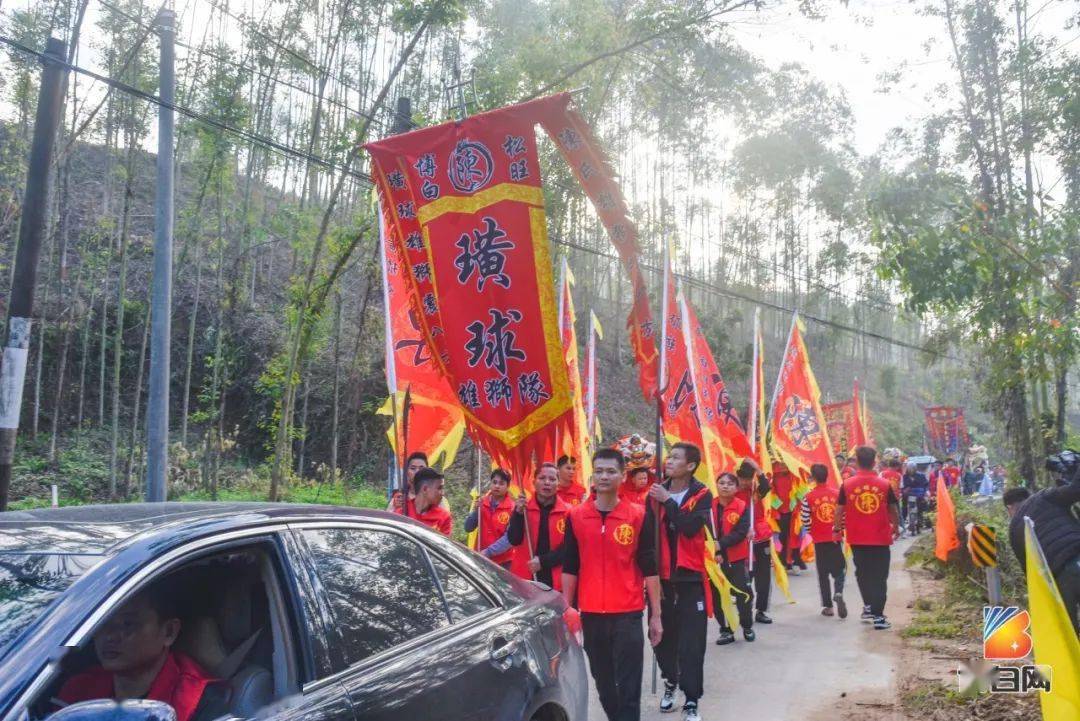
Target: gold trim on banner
column 529, row 194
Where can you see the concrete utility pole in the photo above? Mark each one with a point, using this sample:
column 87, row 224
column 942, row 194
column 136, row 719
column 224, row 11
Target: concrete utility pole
column 157, row 411
column 31, row 231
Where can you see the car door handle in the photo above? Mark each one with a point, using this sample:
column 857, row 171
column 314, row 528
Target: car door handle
column 503, row 648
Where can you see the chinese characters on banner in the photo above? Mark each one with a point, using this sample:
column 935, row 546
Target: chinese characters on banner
column 436, row 424
column 797, row 424
column 463, row 204
column 946, row 430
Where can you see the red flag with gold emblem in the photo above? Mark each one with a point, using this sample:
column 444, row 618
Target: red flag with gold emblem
column 464, row 205
column 797, row 424
column 840, row 423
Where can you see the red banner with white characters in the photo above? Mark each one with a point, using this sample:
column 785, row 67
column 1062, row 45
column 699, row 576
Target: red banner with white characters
column 463, row 202
column 579, row 147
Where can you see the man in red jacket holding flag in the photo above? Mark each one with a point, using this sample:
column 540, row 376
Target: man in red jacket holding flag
column 819, row 514
column 492, row 515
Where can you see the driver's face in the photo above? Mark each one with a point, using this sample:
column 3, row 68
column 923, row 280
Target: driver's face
column 134, row 638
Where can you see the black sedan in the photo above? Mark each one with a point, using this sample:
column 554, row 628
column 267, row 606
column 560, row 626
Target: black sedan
column 300, row 612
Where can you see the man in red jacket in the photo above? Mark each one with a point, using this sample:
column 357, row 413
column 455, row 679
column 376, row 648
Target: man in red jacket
column 610, row 555
column 867, row 510
column 492, row 516
column 685, row 510
column 570, row 491
column 732, row 551
column 819, row 514
column 427, row 488
column 537, row 528
column 753, row 485
column 134, row 649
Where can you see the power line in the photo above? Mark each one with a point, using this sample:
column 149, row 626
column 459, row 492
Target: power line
column 195, row 115
column 697, row 283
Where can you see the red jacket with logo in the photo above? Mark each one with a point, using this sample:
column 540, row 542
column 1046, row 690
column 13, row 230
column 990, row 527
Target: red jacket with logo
column 727, row 517
column 893, row 476
column 493, row 523
column 556, row 526
column 572, row 495
column 690, row 550
column 782, row 481
column 821, row 500
column 866, row 510
column 180, row 683
column 762, row 529
column 609, row 580
column 435, row 517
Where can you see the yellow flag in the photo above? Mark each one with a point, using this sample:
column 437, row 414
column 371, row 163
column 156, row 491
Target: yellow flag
column 781, row 573
column 1052, row 635
column 473, row 539
column 723, row 585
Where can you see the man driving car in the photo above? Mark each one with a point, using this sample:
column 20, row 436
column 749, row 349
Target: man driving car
column 136, row 660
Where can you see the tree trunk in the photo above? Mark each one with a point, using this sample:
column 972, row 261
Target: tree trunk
column 118, row 335
column 135, row 406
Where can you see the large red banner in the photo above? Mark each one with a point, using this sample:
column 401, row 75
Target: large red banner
column 464, row 205
column 946, row 430
column 840, row 422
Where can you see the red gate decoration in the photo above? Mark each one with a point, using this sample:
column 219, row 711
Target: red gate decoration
column 946, row 430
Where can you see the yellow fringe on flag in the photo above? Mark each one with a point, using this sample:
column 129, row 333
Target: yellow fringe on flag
column 720, row 581
column 780, row 572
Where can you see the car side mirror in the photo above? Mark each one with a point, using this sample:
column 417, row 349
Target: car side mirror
column 108, row 710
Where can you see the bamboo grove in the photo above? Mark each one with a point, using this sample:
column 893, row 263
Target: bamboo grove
column 938, row 267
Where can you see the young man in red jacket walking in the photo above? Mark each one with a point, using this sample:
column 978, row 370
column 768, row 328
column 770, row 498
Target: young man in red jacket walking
column 867, row 510
column 819, row 514
column 684, row 505
column 609, row 556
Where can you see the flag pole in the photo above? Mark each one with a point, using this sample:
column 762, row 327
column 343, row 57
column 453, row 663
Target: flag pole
column 661, row 387
column 755, row 384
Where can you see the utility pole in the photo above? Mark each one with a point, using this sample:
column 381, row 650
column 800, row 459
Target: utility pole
column 31, row 230
column 157, row 411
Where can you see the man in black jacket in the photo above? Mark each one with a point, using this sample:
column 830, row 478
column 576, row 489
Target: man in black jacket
column 1056, row 527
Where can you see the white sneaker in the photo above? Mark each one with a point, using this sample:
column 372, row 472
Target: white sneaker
column 667, row 701
column 690, row 711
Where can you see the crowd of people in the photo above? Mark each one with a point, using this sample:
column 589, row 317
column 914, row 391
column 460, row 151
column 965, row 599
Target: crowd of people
column 631, row 547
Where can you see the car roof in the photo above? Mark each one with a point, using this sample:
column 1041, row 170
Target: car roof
column 98, row 529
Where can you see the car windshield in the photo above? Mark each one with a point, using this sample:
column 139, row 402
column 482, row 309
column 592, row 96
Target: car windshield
column 29, row 582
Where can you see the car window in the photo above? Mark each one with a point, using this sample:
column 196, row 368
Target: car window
column 29, row 582
column 462, row 596
column 379, row 586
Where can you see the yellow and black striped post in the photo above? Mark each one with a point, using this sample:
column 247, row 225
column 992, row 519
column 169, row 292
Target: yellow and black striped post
column 982, row 545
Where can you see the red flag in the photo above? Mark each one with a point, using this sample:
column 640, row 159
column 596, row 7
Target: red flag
column 464, row 205
column 725, row 439
column 679, row 399
column 575, row 439
column 797, row 424
column 947, row 429
column 858, row 429
column 840, row 423
column 436, row 424
column 578, row 146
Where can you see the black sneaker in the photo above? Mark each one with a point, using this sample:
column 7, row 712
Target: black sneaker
column 866, row 616
column 841, row 607
column 725, row 638
column 690, row 711
column 761, row 617
column 881, row 623
column 667, row 701
column 748, row 634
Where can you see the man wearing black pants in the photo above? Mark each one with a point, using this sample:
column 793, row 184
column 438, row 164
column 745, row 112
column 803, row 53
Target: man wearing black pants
column 761, row 573
column 609, row 556
column 733, row 548
column 868, row 511
column 818, row 514
column 684, row 510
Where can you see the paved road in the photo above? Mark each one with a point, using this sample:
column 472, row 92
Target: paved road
column 800, row 665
